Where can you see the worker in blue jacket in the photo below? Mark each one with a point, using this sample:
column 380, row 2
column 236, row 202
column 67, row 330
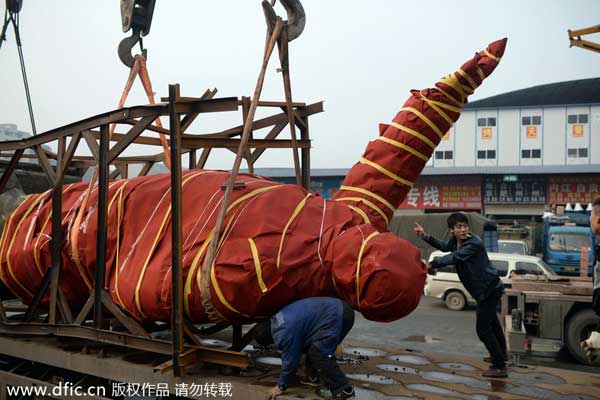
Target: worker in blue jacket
column 481, row 280
column 312, row 326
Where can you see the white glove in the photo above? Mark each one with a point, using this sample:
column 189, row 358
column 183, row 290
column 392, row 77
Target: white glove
column 591, row 346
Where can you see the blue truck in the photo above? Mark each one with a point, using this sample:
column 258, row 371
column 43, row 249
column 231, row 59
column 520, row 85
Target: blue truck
column 564, row 236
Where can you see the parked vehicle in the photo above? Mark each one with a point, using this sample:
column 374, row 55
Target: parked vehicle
column 446, row 286
column 564, row 237
column 513, row 247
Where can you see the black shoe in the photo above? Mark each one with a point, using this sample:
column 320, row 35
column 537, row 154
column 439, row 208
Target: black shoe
column 311, row 381
column 344, row 394
column 494, row 372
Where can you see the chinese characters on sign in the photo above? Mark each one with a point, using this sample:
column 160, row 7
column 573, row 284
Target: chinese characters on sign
column 531, row 132
column 486, row 133
column 577, row 130
column 497, row 190
column 443, row 196
column 212, row 389
column 564, row 190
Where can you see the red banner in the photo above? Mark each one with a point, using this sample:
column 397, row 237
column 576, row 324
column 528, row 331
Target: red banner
column 443, row 197
column 562, row 190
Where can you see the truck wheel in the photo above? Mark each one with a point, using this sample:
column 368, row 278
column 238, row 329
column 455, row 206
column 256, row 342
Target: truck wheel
column 455, row 301
column 578, row 329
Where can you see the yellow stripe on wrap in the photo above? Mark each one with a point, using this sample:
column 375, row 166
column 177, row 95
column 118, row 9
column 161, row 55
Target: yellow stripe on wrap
column 493, row 57
column 198, row 256
column 403, row 146
column 414, row 133
column 360, row 254
column 369, row 193
column 368, row 203
column 294, row 214
column 385, row 172
column 361, row 213
column 257, row 267
column 424, row 118
column 453, row 82
column 437, row 109
column 119, row 206
column 12, row 241
column 480, row 73
column 449, row 96
column 468, row 79
column 5, row 234
column 156, row 238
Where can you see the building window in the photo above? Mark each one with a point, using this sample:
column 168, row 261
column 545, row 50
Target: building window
column 486, row 154
column 577, row 119
column 531, row 120
column 444, row 155
column 578, row 153
column 486, row 121
column 531, row 153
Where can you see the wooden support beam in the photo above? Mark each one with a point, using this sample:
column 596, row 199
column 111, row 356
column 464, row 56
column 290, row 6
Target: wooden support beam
column 132, row 326
column 92, row 143
column 128, row 138
column 45, row 164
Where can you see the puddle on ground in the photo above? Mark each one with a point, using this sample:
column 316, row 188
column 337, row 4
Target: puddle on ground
column 536, row 377
column 544, row 394
column 215, row 343
column 422, row 339
column 409, row 359
column 453, row 378
column 363, row 351
column 458, row 367
column 398, row 368
column 383, row 380
column 275, row 361
column 365, row 394
column 419, row 387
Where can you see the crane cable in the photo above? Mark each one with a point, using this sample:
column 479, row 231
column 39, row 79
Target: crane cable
column 12, row 15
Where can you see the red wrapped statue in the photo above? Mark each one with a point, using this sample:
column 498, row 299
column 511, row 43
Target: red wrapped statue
column 279, row 243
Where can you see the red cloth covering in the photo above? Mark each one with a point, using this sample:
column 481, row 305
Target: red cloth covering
column 279, row 242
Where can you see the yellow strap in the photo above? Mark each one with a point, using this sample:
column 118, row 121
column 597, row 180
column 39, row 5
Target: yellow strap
column 414, row 133
column 155, row 242
column 294, row 214
column 194, row 270
column 493, row 57
column 5, row 234
column 480, row 73
column 12, row 241
column 468, row 79
column 453, row 82
column 369, row 193
column 441, row 104
column 360, row 254
column 361, row 213
column 368, row 203
column 386, row 172
column 449, row 96
column 119, row 207
column 222, row 298
column 438, row 110
column 424, row 118
column 403, row 146
column 257, row 267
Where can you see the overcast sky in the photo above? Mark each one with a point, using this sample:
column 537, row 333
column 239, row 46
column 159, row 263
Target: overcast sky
column 360, row 57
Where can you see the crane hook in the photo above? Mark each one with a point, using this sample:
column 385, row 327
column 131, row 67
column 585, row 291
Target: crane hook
column 126, row 46
column 295, row 13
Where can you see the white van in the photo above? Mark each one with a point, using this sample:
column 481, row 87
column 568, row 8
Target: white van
column 445, row 284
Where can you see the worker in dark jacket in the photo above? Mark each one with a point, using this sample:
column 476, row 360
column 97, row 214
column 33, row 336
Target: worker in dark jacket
column 480, row 279
column 591, row 346
column 313, row 326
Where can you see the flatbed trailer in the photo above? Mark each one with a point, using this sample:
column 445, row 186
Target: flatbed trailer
column 549, row 315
